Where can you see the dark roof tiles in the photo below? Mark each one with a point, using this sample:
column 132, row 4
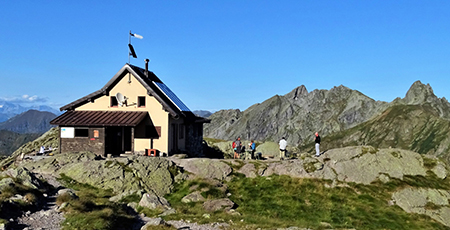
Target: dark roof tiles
column 99, row 118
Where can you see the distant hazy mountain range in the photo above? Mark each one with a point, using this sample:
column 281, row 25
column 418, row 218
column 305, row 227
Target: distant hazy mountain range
column 202, row 113
column 344, row 117
column 9, row 109
column 31, row 121
column 23, row 128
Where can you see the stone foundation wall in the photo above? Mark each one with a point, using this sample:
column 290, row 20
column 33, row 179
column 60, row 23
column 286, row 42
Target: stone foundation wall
column 90, row 143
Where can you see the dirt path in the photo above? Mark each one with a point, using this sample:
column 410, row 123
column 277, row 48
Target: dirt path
column 46, row 217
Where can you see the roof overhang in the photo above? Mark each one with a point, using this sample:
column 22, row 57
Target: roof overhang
column 99, row 118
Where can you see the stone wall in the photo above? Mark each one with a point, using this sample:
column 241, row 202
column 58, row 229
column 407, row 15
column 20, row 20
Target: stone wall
column 90, row 143
column 194, row 139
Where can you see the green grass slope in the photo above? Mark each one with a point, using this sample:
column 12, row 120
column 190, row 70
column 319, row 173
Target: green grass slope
column 10, row 141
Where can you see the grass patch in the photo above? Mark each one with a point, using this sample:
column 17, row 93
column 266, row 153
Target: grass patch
column 396, row 154
column 131, row 198
column 149, row 212
column 429, row 163
column 281, row 201
column 92, row 210
column 432, row 206
column 368, row 149
column 234, row 166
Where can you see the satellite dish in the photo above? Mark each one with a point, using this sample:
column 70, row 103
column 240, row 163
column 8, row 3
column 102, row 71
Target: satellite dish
column 132, row 52
column 121, row 99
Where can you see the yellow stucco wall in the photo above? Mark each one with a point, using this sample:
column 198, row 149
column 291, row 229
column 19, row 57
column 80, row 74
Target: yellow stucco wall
column 132, row 90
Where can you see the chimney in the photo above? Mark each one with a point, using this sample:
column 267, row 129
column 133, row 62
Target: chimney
column 146, row 67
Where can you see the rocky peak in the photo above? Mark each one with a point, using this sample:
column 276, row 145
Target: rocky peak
column 419, row 93
column 297, row 93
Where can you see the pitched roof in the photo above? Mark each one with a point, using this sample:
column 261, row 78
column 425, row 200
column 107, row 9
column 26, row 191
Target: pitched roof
column 155, row 87
column 100, row 118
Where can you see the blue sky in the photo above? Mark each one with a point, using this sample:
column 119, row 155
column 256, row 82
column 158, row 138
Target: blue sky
column 224, row 54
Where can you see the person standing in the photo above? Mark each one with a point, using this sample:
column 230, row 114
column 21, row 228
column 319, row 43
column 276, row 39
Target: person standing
column 252, row 147
column 283, row 144
column 317, row 140
column 238, row 148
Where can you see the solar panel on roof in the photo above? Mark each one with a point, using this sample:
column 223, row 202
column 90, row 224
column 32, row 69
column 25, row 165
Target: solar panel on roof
column 172, row 96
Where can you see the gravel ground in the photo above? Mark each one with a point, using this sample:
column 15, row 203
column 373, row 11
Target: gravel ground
column 178, row 224
column 44, row 218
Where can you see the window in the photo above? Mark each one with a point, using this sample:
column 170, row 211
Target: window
column 181, row 131
column 141, row 101
column 96, row 134
column 81, row 132
column 114, row 102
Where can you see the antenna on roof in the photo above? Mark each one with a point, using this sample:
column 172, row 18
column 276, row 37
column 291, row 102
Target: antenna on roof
column 130, row 47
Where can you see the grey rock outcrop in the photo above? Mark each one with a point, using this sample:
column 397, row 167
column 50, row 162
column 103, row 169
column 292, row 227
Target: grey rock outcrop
column 150, row 174
column 153, row 222
column 193, row 197
column 363, row 164
column 205, row 168
column 219, row 204
column 6, row 182
column 25, row 176
column 153, row 201
column 431, row 202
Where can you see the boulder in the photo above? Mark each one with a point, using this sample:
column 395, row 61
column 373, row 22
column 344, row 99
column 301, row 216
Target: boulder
column 440, row 170
column 168, row 212
column 153, row 222
column 68, row 191
column 152, row 201
column 419, row 200
column 205, row 168
column 225, row 147
column 193, row 197
column 219, row 204
column 25, row 176
column 269, row 149
column 249, row 170
column 6, row 182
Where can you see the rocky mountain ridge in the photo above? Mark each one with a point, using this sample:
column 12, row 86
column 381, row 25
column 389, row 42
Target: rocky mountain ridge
column 23, row 128
column 298, row 114
column 31, row 121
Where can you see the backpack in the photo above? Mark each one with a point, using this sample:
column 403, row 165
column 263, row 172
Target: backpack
column 234, row 145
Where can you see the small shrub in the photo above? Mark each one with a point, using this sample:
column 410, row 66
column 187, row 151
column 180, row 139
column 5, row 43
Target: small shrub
column 309, row 167
column 429, row 163
column 130, row 198
column 149, row 212
column 63, row 198
column 8, row 191
column 432, row 206
column 30, row 198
